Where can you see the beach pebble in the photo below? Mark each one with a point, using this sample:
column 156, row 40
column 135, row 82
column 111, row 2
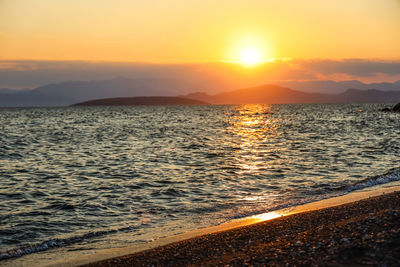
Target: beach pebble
column 356, row 242
column 345, row 240
column 367, row 237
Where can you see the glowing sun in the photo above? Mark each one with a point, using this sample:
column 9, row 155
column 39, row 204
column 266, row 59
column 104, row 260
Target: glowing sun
column 250, row 56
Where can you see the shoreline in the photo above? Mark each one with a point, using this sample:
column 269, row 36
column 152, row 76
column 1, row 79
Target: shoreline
column 68, row 256
column 109, row 254
column 365, row 232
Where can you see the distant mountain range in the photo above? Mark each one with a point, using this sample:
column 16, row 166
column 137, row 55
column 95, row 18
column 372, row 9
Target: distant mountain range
column 274, row 94
column 334, row 87
column 68, row 93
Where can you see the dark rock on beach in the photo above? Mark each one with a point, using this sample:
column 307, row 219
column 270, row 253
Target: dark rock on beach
column 396, row 108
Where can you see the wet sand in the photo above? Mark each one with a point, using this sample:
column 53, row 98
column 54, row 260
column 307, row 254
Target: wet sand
column 362, row 233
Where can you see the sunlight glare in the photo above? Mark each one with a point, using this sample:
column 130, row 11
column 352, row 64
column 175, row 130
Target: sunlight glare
column 268, row 216
column 250, row 56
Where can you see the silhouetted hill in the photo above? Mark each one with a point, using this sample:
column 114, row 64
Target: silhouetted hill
column 150, row 100
column 273, row 94
column 268, row 94
column 337, row 87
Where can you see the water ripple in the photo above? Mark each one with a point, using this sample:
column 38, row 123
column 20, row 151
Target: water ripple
column 71, row 174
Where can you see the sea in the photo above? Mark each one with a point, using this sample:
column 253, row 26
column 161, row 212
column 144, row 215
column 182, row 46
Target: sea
column 88, row 178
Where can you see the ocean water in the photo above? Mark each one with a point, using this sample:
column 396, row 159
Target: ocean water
column 113, row 176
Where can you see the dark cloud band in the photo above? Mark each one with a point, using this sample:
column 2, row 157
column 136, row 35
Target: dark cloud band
column 19, row 74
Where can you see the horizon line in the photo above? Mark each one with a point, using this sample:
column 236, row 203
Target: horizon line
column 222, row 61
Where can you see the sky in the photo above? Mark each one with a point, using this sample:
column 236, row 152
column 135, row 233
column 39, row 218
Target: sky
column 229, row 42
column 184, row 31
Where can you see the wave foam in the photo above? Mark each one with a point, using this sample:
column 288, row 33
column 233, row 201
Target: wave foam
column 53, row 243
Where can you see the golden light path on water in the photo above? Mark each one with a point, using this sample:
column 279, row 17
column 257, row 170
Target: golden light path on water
column 255, row 126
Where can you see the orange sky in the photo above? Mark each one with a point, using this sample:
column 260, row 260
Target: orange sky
column 178, row 31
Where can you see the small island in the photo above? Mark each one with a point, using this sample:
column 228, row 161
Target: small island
column 136, row 101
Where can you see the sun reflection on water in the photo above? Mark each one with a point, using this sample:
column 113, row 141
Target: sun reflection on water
column 254, row 125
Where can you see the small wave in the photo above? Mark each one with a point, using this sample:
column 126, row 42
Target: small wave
column 391, row 176
column 58, row 242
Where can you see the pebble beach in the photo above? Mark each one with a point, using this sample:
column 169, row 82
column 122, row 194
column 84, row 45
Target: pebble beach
column 362, row 233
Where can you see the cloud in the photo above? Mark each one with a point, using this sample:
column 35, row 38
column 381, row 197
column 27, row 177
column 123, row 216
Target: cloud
column 353, row 67
column 210, row 77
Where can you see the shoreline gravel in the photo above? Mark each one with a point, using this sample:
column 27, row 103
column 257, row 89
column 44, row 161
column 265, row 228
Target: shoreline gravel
column 362, row 233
